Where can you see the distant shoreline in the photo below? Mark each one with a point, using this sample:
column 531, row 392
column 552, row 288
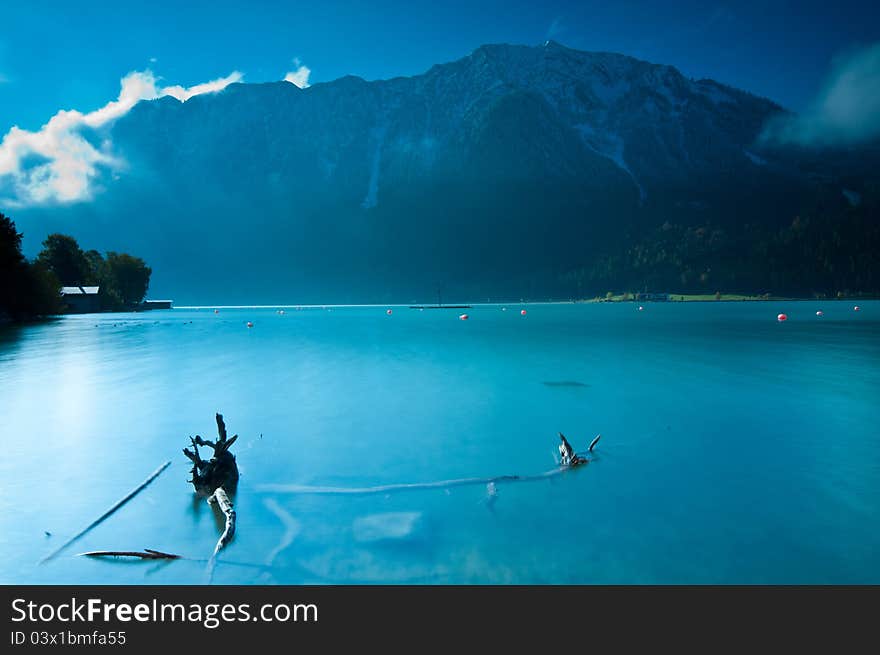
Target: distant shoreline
column 724, row 297
column 676, row 298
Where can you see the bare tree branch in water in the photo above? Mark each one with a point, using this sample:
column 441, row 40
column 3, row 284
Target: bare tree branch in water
column 216, row 479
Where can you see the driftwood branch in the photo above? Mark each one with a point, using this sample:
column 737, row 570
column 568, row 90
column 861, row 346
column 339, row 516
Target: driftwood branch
column 147, row 553
column 225, row 505
column 221, row 500
column 219, row 471
column 216, row 479
column 110, row 511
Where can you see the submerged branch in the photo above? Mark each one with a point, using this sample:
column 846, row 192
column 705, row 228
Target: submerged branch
column 215, row 479
column 147, row 553
column 291, row 527
column 222, row 501
column 414, row 486
column 225, row 506
column 110, row 511
column 420, row 486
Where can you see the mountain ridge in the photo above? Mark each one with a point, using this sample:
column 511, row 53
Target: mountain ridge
column 507, row 173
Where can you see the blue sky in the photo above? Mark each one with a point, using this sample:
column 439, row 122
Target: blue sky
column 57, row 55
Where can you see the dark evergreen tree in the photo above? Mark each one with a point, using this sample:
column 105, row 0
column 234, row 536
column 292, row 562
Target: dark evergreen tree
column 26, row 290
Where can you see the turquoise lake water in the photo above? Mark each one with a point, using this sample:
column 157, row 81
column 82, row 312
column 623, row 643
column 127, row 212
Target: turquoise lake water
column 735, row 449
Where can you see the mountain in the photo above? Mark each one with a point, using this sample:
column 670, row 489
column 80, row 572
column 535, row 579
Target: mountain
column 514, row 172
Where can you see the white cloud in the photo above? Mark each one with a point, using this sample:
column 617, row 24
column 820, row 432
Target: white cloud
column 213, row 86
column 300, row 76
column 58, row 164
column 846, row 111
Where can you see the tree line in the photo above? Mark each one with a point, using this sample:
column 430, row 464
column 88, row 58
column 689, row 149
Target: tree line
column 818, row 253
column 33, row 288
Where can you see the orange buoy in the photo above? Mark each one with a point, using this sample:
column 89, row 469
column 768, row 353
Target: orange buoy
column 522, row 312
column 249, row 324
column 820, row 313
column 782, row 317
column 463, row 317
column 389, row 312
column 857, row 308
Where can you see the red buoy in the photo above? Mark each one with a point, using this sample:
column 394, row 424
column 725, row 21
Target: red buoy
column 463, row 317
column 389, row 312
column 249, row 324
column 857, row 308
column 782, row 317
column 522, row 312
column 820, row 313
